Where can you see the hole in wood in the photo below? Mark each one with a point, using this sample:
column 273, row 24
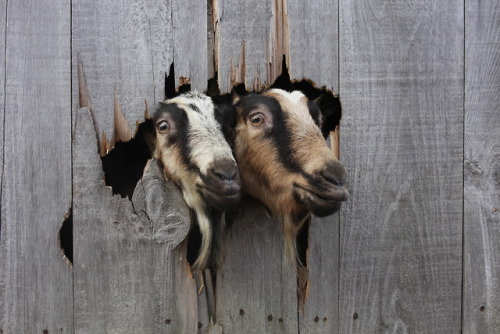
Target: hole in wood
column 170, row 90
column 66, row 236
column 124, row 164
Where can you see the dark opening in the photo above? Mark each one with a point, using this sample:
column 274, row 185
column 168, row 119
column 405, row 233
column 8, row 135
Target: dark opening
column 170, row 91
column 302, row 243
column 170, row 83
column 193, row 245
column 66, row 236
column 124, row 164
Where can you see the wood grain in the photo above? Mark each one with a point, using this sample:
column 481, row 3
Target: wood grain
column 401, row 82
column 314, row 55
column 256, row 292
column 35, row 280
column 243, row 49
column 127, row 46
column 130, row 268
column 189, row 40
column 314, row 41
column 481, row 304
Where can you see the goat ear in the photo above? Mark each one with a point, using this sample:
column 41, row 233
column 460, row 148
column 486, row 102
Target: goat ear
column 235, row 97
column 331, row 110
column 226, row 116
column 237, row 92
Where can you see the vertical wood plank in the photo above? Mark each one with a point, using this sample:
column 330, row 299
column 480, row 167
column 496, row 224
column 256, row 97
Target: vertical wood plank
column 256, row 292
column 401, row 82
column 314, row 41
column 244, row 48
column 131, row 272
column 482, row 168
column 127, row 46
column 36, row 172
column 190, row 42
column 314, row 55
column 3, row 26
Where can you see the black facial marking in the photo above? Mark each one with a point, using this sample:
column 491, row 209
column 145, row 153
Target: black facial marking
column 280, row 134
column 315, row 112
column 180, row 137
column 194, row 107
column 225, row 115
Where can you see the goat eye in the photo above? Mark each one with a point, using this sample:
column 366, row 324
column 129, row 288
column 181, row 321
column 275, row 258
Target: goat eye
column 257, row 119
column 162, row 126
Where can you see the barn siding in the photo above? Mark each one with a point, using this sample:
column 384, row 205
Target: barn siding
column 36, row 281
column 124, row 45
column 412, row 116
column 401, row 82
column 314, row 54
column 254, row 289
column 127, row 266
column 482, row 168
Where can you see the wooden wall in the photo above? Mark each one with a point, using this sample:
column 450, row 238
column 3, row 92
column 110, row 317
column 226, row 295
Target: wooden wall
column 415, row 249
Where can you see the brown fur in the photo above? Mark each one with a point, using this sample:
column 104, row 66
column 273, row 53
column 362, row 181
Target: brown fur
column 266, row 178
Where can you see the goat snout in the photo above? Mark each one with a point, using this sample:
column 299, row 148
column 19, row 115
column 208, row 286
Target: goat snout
column 226, row 171
column 222, row 185
column 324, row 191
column 334, row 173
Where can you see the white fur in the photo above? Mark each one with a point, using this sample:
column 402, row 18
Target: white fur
column 207, row 145
column 294, row 96
column 205, row 137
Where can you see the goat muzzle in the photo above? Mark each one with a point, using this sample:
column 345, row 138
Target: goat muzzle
column 324, row 192
column 221, row 186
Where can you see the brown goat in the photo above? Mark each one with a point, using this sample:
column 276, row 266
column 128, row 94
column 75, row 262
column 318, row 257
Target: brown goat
column 283, row 158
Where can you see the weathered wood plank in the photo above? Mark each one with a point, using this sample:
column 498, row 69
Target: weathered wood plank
column 401, row 82
column 3, row 25
column 130, row 268
column 314, row 55
column 482, row 168
column 256, row 292
column 189, row 42
column 125, row 46
column 314, row 41
column 36, row 173
column 244, row 47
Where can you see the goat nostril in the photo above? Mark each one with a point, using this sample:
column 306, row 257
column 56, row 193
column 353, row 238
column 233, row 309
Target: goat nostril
column 225, row 173
column 334, row 176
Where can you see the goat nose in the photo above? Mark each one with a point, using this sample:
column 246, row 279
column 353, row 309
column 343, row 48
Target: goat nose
column 226, row 171
column 335, row 173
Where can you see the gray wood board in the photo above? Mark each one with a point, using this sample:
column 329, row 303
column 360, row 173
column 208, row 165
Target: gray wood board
column 401, row 82
column 313, row 28
column 130, row 267
column 35, row 279
column 256, row 291
column 189, row 41
column 481, row 306
column 321, row 306
column 127, row 47
column 244, row 45
column 3, row 26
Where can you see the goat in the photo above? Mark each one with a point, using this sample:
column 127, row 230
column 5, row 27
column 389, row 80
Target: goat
column 196, row 156
column 279, row 144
